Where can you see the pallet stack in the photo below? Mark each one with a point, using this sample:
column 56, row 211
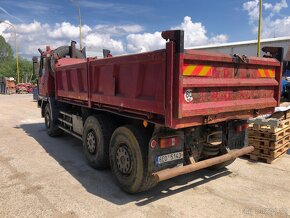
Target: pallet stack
column 270, row 137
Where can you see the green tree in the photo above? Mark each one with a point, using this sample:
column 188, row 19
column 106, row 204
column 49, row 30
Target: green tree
column 6, row 51
column 8, row 64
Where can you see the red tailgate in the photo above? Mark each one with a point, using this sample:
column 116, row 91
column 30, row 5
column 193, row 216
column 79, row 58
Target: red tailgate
column 213, row 83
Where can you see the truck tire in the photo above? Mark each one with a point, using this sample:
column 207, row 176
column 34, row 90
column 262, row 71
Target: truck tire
column 51, row 126
column 98, row 130
column 60, row 52
column 129, row 159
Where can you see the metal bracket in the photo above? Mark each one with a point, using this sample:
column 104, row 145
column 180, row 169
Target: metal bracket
column 240, row 59
column 275, row 52
column 176, row 36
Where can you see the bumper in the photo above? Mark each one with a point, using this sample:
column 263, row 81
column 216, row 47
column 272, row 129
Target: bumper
column 173, row 172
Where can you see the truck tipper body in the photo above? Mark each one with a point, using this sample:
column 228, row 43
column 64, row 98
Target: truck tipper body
column 155, row 115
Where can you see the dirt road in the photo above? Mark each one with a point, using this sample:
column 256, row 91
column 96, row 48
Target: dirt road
column 48, row 177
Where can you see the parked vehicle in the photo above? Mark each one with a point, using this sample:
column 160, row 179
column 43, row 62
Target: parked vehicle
column 156, row 115
column 7, row 85
column 24, row 88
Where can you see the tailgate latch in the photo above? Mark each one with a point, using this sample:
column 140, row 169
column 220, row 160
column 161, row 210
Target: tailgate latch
column 240, row 59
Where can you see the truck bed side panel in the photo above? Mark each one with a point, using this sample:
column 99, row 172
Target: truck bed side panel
column 71, row 80
column 134, row 82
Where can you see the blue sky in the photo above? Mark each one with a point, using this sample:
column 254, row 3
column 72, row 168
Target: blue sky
column 134, row 26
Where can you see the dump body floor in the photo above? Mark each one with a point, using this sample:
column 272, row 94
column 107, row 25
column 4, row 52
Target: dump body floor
column 48, row 177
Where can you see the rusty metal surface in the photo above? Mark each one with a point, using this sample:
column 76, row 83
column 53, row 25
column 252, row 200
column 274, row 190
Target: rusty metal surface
column 173, row 172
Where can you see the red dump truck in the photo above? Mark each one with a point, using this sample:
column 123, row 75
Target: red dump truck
column 156, row 115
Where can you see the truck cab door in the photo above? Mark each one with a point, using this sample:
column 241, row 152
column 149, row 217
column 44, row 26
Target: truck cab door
column 43, row 78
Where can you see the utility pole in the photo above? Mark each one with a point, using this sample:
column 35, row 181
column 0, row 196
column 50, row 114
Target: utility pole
column 80, row 21
column 259, row 29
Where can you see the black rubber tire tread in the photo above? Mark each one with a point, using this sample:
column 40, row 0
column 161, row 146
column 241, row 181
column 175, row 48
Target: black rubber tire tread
column 62, row 51
column 103, row 127
column 53, row 130
column 142, row 179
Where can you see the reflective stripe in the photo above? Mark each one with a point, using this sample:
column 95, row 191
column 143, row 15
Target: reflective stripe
column 197, row 70
column 265, row 73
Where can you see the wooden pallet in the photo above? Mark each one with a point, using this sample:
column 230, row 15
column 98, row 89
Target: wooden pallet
column 264, row 134
column 269, row 158
column 272, row 153
column 268, row 143
column 270, row 127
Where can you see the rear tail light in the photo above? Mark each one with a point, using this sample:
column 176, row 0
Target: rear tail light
column 240, row 128
column 169, row 142
column 245, row 126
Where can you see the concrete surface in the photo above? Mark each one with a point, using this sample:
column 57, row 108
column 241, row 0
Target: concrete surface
column 48, row 177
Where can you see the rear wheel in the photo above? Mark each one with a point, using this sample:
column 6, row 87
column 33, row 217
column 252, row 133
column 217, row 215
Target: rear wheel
column 51, row 126
column 96, row 139
column 129, row 159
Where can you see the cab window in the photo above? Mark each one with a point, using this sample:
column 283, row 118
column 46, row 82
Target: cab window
column 42, row 67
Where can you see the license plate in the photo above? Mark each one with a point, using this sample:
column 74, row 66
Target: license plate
column 169, row 157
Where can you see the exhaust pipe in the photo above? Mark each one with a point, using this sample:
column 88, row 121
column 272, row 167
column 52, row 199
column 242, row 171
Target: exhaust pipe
column 73, row 49
column 173, row 172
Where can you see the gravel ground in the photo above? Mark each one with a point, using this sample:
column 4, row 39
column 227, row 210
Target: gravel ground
column 48, row 177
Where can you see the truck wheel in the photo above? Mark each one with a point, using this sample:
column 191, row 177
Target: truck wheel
column 129, row 159
column 51, row 126
column 96, row 139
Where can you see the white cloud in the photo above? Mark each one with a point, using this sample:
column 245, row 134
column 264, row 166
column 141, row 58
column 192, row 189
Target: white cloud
column 271, row 25
column 276, row 27
column 278, row 6
column 144, row 42
column 96, row 42
column 34, row 35
column 120, row 39
column 65, row 30
column 119, row 30
column 252, row 7
column 194, row 34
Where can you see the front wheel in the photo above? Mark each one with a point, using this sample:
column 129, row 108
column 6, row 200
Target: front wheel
column 129, row 159
column 51, row 126
column 96, row 138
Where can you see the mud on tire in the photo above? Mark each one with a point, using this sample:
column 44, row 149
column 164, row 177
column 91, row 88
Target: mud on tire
column 96, row 139
column 129, row 159
column 51, row 126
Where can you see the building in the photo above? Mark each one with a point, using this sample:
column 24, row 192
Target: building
column 248, row 48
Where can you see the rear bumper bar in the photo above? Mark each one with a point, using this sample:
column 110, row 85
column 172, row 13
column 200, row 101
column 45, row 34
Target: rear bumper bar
column 173, row 172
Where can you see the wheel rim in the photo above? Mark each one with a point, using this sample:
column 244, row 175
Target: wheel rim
column 91, row 142
column 123, row 159
column 47, row 120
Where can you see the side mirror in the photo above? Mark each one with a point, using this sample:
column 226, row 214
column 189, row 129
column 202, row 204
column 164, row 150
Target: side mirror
column 35, row 65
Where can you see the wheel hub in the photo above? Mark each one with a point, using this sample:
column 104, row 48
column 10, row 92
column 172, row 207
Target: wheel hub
column 91, row 142
column 123, row 160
